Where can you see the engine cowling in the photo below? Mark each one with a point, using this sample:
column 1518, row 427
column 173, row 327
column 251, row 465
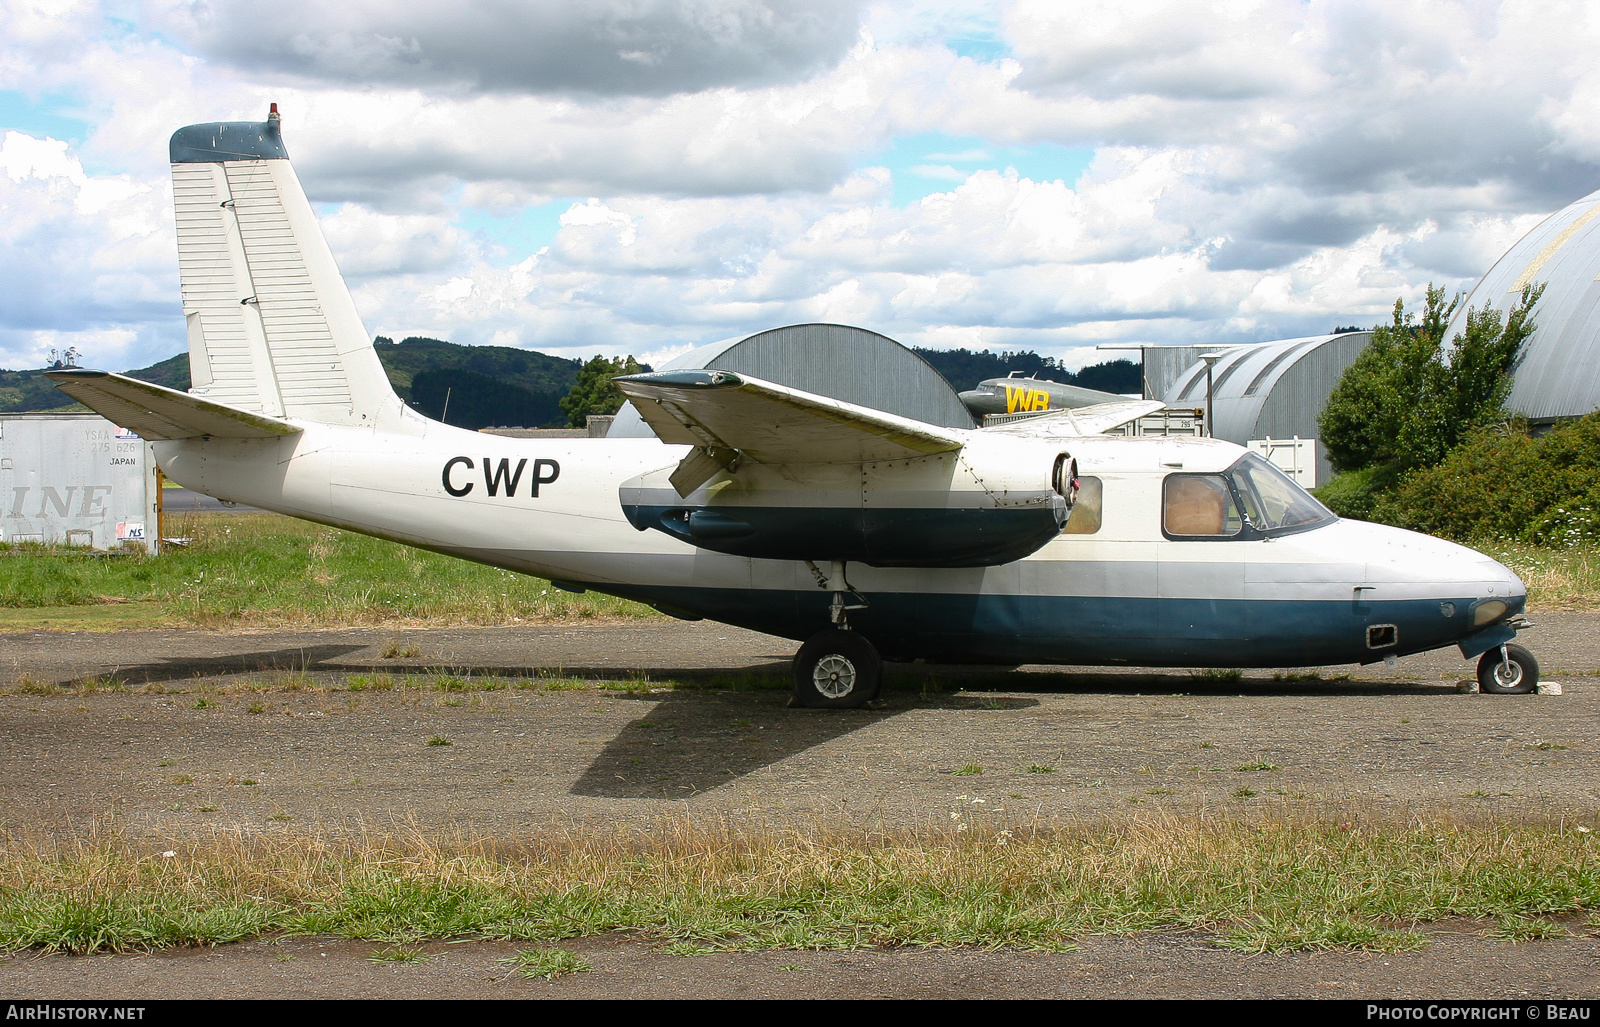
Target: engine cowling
column 996, row 500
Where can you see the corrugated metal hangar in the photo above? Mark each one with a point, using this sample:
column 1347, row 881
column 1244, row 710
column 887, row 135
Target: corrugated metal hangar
column 1270, row 390
column 1559, row 373
column 839, row 361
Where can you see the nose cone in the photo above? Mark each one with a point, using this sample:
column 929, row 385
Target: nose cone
column 983, row 401
column 1409, row 565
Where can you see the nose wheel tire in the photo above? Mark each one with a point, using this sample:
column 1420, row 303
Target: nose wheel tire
column 1516, row 673
column 837, row 670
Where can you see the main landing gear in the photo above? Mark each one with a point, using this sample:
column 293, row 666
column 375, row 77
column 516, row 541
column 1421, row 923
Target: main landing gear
column 837, row 669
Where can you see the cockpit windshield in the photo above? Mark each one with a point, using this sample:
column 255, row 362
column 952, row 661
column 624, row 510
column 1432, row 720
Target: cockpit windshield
column 1272, row 500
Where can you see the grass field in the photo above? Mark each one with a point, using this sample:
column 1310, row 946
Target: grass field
column 1557, row 579
column 697, row 887
column 263, row 570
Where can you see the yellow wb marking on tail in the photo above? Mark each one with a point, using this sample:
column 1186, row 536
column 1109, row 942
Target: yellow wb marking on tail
column 1026, row 399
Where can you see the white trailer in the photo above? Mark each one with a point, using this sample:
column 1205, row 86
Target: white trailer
column 76, row 480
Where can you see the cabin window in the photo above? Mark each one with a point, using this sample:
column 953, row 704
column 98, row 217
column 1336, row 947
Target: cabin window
column 1199, row 506
column 1084, row 517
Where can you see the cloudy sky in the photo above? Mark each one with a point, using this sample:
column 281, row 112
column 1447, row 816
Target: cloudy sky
column 640, row 176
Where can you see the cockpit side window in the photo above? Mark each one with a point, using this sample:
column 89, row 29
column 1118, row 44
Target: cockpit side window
column 1272, row 500
column 1199, row 506
column 1086, row 512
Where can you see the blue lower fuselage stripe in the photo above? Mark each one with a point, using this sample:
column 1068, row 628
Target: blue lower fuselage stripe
column 1090, row 630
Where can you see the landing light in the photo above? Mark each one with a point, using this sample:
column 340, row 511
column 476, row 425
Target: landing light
column 1487, row 613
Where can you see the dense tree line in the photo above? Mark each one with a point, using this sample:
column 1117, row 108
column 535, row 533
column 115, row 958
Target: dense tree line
column 964, row 369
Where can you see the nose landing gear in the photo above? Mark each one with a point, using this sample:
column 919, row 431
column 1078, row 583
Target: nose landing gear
column 1508, row 670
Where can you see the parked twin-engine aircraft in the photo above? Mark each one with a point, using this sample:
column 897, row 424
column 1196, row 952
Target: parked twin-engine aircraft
column 860, row 532
column 1017, row 395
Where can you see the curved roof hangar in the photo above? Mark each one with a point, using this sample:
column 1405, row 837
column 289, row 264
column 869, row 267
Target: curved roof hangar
column 1558, row 374
column 839, row 361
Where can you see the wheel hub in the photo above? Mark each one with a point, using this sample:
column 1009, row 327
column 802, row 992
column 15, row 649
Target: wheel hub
column 1508, row 674
column 835, row 676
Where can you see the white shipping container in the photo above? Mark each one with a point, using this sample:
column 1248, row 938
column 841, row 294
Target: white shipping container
column 77, row 480
column 1295, row 457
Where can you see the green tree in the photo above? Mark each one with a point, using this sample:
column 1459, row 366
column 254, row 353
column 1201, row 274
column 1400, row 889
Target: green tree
column 1366, row 413
column 1468, row 390
column 594, row 392
column 1409, row 399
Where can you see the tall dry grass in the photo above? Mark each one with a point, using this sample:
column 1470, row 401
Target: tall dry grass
column 1280, row 885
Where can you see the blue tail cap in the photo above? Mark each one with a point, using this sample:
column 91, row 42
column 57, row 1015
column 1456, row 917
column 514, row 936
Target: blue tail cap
column 229, row 140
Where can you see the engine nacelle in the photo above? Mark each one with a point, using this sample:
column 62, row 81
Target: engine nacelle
column 996, row 500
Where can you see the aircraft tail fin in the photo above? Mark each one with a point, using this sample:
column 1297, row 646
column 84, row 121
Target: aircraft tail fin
column 272, row 327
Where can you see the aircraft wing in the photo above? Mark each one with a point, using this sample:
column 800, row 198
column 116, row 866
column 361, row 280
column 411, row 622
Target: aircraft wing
column 729, row 416
column 158, row 414
column 1076, row 423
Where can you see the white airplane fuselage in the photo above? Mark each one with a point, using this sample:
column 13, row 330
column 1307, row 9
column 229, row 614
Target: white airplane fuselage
column 1125, row 593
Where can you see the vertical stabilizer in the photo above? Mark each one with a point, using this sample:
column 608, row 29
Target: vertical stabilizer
column 272, row 327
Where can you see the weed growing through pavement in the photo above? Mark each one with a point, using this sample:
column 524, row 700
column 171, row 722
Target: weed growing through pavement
column 440, row 740
column 1260, row 765
column 547, row 963
column 27, row 684
column 1219, row 674
column 967, row 769
column 399, row 954
column 1513, row 927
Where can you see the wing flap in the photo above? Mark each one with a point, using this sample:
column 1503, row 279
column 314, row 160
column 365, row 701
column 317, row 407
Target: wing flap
column 157, row 413
column 773, row 423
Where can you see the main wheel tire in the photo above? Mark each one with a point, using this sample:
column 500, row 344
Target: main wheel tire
column 837, row 670
column 1519, row 676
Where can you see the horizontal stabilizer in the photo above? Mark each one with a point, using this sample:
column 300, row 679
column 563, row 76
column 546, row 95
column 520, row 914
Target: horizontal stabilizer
column 157, row 413
column 775, row 424
column 1077, row 423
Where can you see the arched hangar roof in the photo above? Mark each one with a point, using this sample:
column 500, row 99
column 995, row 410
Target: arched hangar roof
column 839, row 361
column 1559, row 372
column 1270, row 389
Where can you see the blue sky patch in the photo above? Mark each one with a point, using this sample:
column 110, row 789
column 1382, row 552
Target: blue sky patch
column 41, row 118
column 934, row 162
column 520, row 232
column 980, row 47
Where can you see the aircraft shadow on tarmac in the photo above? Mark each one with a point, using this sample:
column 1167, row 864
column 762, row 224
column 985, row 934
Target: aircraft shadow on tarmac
column 297, row 660
column 690, row 742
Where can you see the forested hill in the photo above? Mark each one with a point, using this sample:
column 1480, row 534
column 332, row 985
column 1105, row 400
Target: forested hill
column 525, row 368
column 486, row 385
column 964, row 369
